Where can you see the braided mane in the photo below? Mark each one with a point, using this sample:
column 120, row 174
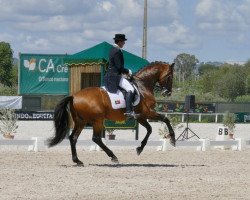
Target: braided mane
column 149, row 66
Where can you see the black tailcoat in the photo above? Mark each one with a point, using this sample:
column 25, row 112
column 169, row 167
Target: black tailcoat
column 115, row 70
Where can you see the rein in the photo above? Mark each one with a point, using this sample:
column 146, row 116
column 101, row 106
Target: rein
column 157, row 85
column 161, row 83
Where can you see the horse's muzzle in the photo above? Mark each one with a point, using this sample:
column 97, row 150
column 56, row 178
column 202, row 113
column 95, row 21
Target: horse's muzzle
column 166, row 93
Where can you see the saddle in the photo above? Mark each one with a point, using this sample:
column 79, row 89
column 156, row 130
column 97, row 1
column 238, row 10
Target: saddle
column 117, row 99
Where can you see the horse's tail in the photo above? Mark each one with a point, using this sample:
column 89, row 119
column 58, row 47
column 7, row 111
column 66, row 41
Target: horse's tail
column 61, row 121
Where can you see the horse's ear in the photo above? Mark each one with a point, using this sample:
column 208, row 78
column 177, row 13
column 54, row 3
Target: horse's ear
column 172, row 65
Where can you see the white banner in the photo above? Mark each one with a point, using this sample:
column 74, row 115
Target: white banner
column 13, row 102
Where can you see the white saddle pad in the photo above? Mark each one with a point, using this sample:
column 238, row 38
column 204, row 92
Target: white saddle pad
column 118, row 100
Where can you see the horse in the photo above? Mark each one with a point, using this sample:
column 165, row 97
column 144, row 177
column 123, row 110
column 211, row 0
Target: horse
column 92, row 105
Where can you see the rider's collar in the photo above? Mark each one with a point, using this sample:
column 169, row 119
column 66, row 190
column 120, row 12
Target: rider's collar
column 116, row 46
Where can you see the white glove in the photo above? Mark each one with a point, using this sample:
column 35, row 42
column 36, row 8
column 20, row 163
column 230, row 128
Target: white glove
column 129, row 72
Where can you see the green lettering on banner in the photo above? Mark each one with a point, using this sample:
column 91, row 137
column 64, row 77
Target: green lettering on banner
column 242, row 117
column 128, row 124
column 43, row 74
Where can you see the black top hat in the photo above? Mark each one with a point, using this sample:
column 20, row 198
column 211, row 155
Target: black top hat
column 120, row 37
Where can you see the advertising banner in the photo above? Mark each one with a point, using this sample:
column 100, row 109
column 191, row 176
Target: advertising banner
column 179, row 107
column 43, row 74
column 34, row 116
column 11, row 102
column 126, row 124
column 242, row 117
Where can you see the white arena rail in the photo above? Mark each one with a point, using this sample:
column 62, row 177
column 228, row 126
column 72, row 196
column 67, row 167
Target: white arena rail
column 206, row 144
column 38, row 144
column 34, row 144
column 17, row 142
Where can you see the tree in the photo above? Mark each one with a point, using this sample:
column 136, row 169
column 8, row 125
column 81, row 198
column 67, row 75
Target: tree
column 232, row 82
column 206, row 68
column 207, row 81
column 247, row 64
column 248, row 84
column 14, row 78
column 247, row 72
column 6, row 55
column 185, row 66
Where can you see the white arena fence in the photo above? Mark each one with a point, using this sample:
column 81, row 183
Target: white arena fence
column 38, row 144
column 199, row 116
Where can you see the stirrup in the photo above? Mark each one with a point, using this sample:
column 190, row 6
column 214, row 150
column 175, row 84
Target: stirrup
column 131, row 114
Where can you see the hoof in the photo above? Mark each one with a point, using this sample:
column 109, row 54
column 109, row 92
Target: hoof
column 138, row 150
column 172, row 141
column 78, row 162
column 115, row 159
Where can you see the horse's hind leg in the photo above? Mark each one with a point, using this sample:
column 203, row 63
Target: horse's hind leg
column 97, row 130
column 73, row 139
column 144, row 123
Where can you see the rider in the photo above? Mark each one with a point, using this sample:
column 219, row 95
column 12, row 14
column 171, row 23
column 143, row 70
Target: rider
column 113, row 78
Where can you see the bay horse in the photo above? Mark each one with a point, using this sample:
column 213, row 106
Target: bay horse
column 92, row 105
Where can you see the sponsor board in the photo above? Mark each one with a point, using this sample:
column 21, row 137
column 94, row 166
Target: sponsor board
column 43, row 74
column 242, row 117
column 30, row 115
column 126, row 124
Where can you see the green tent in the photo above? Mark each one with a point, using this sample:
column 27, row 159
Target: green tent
column 99, row 54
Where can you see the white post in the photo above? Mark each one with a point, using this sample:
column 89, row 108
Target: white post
column 182, row 118
column 241, row 144
column 204, row 146
column 38, row 144
column 166, row 145
column 32, row 147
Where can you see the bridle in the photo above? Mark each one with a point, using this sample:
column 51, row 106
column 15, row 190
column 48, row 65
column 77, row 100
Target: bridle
column 164, row 90
column 161, row 85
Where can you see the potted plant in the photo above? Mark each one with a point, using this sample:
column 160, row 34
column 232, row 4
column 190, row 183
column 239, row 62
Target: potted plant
column 176, row 124
column 229, row 122
column 8, row 123
column 110, row 135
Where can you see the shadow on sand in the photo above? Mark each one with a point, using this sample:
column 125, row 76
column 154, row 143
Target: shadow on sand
column 144, row 165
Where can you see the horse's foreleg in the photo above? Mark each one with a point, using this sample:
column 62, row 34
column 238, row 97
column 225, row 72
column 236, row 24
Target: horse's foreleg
column 144, row 123
column 97, row 130
column 157, row 116
column 73, row 139
column 171, row 134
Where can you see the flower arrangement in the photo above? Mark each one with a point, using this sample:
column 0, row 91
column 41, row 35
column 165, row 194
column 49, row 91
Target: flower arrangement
column 229, row 122
column 8, row 122
column 111, row 135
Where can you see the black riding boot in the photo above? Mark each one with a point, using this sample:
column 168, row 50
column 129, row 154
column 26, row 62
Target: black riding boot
column 129, row 107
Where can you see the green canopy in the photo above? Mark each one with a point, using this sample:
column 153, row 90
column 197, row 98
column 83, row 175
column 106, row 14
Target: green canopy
column 99, row 54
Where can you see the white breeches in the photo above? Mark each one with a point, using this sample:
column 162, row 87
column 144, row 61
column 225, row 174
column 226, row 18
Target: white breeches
column 125, row 84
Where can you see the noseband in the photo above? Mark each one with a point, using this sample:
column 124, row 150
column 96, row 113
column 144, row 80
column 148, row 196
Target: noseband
column 164, row 90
